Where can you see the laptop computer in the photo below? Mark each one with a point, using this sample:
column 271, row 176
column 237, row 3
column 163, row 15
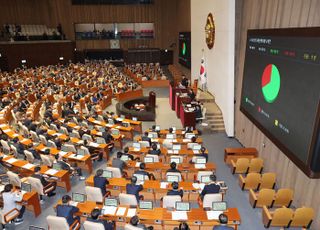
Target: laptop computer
column 182, row 206
column 219, row 206
column 147, row 205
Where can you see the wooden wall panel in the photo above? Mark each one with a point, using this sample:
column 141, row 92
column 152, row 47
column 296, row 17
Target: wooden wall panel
column 259, row 14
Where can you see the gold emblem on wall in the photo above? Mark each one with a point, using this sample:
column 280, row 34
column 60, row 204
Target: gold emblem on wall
column 210, row 31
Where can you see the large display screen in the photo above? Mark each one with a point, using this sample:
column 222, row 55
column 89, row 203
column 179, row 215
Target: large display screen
column 281, row 88
column 185, row 49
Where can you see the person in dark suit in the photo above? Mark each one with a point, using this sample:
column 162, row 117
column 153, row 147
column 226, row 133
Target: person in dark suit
column 154, row 150
column 135, row 221
column 185, row 82
column 133, row 188
column 191, row 94
column 182, row 226
column 173, row 168
column 66, row 166
column 117, row 162
column 142, row 171
column 67, row 211
column 95, row 218
column 203, row 153
column 100, row 182
column 126, row 153
column 210, row 188
column 223, row 219
column 34, row 152
column 107, row 136
column 18, row 145
column 45, row 181
column 146, row 138
column 175, row 190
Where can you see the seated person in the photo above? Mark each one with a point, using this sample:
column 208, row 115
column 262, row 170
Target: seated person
column 100, row 182
column 18, row 145
column 184, row 83
column 10, row 198
column 45, row 181
column 173, row 168
column 210, row 188
column 154, row 150
column 203, row 153
column 95, row 218
column 34, row 152
column 175, row 190
column 117, row 162
column 66, row 166
column 142, row 171
column 223, row 219
column 67, row 211
column 146, row 138
column 93, row 151
column 182, row 226
column 134, row 189
column 126, row 153
column 135, row 221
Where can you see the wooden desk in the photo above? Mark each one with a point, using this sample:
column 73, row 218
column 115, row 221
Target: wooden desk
column 235, row 153
column 175, row 141
column 136, row 125
column 129, row 95
column 155, row 83
column 188, row 119
column 31, row 199
column 179, row 101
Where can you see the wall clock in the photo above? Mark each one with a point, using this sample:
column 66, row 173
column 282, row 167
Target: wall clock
column 210, row 31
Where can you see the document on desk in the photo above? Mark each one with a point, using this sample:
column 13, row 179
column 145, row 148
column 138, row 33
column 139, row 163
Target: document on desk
column 51, row 172
column 198, row 186
column 200, row 166
column 80, row 142
column 93, row 144
column 11, row 160
column 131, row 212
column 109, row 210
column 6, row 130
column 3, row 125
column 164, row 185
column 179, row 215
column 28, row 166
column 138, row 164
column 15, row 135
column 213, row 215
column 186, row 140
column 62, row 153
column 121, row 211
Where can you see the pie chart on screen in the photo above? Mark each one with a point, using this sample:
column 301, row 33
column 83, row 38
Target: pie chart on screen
column 270, row 83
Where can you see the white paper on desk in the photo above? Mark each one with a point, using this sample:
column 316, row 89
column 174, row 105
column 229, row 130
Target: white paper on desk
column 6, row 130
column 11, row 160
column 77, row 127
column 196, row 151
column 154, row 140
column 186, row 140
column 198, row 186
column 62, row 153
column 164, row 185
column 99, row 133
column 94, row 144
column 3, row 125
column 15, row 135
column 174, row 140
column 213, row 215
column 109, row 210
column 76, row 157
column 80, row 142
column 24, row 139
column 131, row 212
column 58, row 134
column 170, row 151
column 51, row 172
column 136, row 149
column 109, row 125
column 179, row 215
column 28, row 166
column 200, row 166
column 121, row 211
column 138, row 164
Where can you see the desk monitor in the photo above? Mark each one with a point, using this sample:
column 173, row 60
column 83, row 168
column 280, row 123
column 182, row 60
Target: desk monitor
column 176, row 147
column 170, row 136
column 148, row 159
column 196, row 147
column 123, row 116
column 115, row 132
column 100, row 140
column 4, row 179
column 172, row 178
column 201, row 160
column 111, row 202
column 107, row 174
column 134, row 119
column 81, row 152
column 219, row 206
column 182, row 206
column 26, row 187
column 101, row 129
column 177, row 160
column 124, row 158
column 148, row 205
column 90, row 127
column 136, row 145
column 74, row 135
column 153, row 135
column 205, row 179
column 140, row 177
column 126, row 124
column 56, row 166
column 65, row 149
column 86, row 137
column 157, row 128
column 190, row 135
column 110, row 121
column 78, row 197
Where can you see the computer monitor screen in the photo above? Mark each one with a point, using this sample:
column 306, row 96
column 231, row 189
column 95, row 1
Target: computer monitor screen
column 86, row 137
column 140, row 177
column 148, row 160
column 152, row 135
column 219, row 206
column 176, row 147
column 146, row 205
column 73, row 135
column 101, row 129
column 100, row 141
column 190, row 135
column 201, row 160
column 124, row 158
column 172, row 178
column 26, row 187
column 182, row 206
column 111, row 121
column 125, row 124
column 175, row 159
column 78, row 197
column 65, row 149
column 110, row 202
column 136, row 145
column 115, row 132
column 122, row 116
column 90, row 127
column 107, row 174
column 56, row 166
column 157, row 128
column 196, row 147
column 205, row 179
column 134, row 119
column 81, row 152
column 170, row 136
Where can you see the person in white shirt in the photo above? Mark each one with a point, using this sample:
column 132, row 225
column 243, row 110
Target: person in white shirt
column 10, row 199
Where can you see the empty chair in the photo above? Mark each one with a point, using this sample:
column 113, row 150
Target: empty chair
column 86, row 150
column 302, row 217
column 38, row 187
column 29, row 156
column 60, row 223
column 174, row 174
column 128, row 199
column 14, row 150
column 70, row 148
column 76, row 133
column 268, row 180
column 51, row 144
column 25, row 131
column 283, row 197
column 43, row 139
column 170, row 201
column 263, row 198
column 46, row 160
column 88, row 225
column 281, row 217
column 34, row 137
column 209, row 198
column 144, row 144
column 94, row 194
column 255, row 165
column 54, row 127
column 115, row 172
column 6, row 147
column 252, row 181
column 14, row 179
column 241, row 166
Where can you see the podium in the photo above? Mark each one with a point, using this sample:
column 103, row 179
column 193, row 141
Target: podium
column 152, row 99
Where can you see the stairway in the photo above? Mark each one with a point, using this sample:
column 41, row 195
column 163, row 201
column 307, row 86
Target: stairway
column 214, row 117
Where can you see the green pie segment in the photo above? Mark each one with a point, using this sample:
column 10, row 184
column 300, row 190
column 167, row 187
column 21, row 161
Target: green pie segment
column 184, row 48
column 271, row 83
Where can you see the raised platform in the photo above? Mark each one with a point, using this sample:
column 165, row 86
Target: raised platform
column 125, row 108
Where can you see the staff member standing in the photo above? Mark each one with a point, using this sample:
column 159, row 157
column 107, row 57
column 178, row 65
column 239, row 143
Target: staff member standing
column 10, row 199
